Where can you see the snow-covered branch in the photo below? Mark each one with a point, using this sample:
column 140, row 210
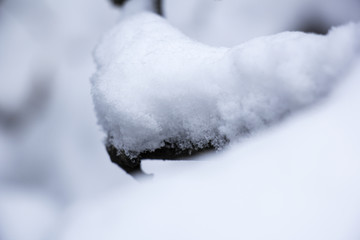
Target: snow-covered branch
column 155, row 88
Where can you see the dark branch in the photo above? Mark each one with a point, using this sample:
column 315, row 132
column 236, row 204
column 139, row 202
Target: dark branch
column 119, row 3
column 314, row 26
column 157, row 5
column 168, row 152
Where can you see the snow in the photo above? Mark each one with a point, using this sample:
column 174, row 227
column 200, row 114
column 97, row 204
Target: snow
column 231, row 22
column 59, row 153
column 13, row 37
column 27, row 214
column 298, row 180
column 154, row 85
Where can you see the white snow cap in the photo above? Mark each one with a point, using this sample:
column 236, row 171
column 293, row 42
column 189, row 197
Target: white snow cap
column 153, row 84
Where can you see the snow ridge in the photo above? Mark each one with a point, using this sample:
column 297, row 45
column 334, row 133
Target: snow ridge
column 154, row 85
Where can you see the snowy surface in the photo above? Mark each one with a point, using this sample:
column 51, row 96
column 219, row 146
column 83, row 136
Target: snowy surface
column 27, row 214
column 154, row 85
column 231, row 22
column 299, row 179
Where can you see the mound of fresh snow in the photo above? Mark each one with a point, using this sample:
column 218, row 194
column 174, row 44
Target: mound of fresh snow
column 299, row 181
column 155, row 85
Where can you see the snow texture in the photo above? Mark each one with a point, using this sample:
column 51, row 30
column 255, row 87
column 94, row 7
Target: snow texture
column 153, row 84
column 206, row 94
column 299, row 180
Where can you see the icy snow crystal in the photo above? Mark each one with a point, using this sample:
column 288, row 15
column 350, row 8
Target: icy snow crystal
column 153, row 84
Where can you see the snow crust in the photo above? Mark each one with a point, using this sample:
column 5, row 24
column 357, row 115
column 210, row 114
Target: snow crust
column 153, row 84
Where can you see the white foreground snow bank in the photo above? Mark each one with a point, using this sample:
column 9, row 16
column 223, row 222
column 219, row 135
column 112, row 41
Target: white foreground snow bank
column 299, row 181
column 153, row 84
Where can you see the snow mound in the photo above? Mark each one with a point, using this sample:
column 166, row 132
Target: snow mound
column 154, row 85
column 299, row 180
